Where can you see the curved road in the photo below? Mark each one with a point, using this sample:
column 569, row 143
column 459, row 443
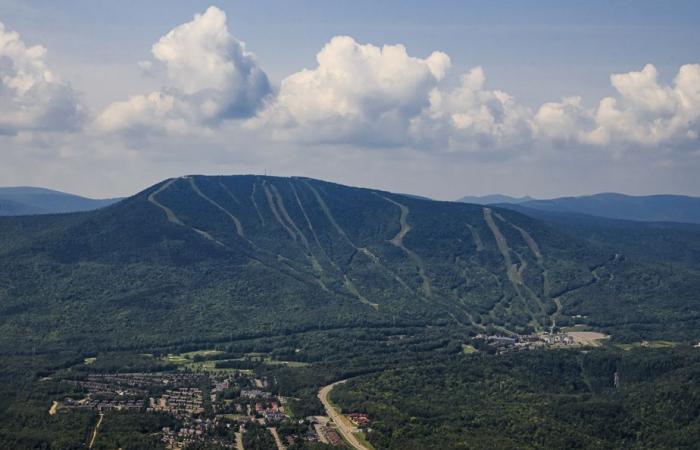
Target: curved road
column 342, row 423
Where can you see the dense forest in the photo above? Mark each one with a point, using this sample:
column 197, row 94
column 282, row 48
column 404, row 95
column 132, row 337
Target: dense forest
column 216, row 258
column 424, row 394
column 603, row 399
column 337, row 282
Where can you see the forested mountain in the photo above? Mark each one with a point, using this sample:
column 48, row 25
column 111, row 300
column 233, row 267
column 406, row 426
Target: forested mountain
column 650, row 208
column 16, row 201
column 669, row 242
column 344, row 282
column 215, row 257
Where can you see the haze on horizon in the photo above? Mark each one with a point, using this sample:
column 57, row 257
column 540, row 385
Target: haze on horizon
column 458, row 98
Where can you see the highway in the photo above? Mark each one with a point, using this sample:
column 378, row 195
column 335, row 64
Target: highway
column 343, row 427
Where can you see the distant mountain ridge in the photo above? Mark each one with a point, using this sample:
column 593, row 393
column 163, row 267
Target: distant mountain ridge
column 650, row 208
column 494, row 199
column 27, row 200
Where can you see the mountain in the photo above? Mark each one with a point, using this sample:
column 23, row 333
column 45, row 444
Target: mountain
column 651, row 208
column 494, row 198
column 299, row 283
column 196, row 259
column 15, row 201
column 671, row 242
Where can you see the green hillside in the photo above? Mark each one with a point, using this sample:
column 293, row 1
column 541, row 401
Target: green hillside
column 303, row 283
column 654, row 242
column 206, row 258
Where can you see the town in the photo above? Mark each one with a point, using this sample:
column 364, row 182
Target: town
column 501, row 344
column 212, row 409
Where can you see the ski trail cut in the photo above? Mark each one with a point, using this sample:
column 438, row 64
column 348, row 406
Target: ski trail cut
column 555, row 314
column 596, row 279
column 398, row 242
column 255, row 204
column 292, row 272
column 531, row 243
column 372, row 257
column 535, row 250
column 311, row 228
column 287, row 217
column 231, row 194
column 168, row 212
column 329, row 216
column 174, row 219
column 308, row 222
column 351, row 287
column 502, row 245
column 477, row 239
column 327, row 212
column 273, row 208
column 514, row 275
column 521, row 267
column 239, row 226
column 375, row 259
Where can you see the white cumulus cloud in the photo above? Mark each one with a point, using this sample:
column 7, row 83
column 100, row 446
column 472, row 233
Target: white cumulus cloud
column 648, row 113
column 472, row 118
column 364, row 95
column 566, row 121
column 210, row 77
column 32, row 98
column 361, row 94
column 642, row 113
column 358, row 93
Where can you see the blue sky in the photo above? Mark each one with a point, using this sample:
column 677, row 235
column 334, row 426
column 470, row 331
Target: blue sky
column 536, row 52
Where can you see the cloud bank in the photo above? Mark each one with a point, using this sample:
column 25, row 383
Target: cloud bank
column 32, row 98
column 363, row 95
column 358, row 95
column 211, row 77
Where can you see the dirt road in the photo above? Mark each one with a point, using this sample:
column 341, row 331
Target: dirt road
column 344, row 426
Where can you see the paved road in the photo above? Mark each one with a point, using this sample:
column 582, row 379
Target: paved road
column 239, row 438
column 342, row 423
column 94, row 433
column 278, row 441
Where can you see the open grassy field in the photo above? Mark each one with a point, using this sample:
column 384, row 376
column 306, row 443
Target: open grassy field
column 648, row 344
column 467, row 349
